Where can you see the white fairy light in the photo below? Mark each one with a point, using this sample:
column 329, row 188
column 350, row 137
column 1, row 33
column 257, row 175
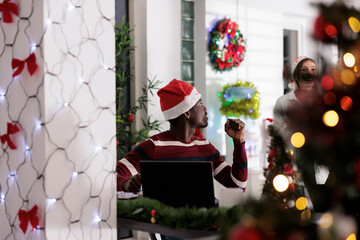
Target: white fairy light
column 66, row 104
column 71, row 6
column 51, row 201
column 98, row 148
column 97, row 219
column 27, row 148
column 2, row 95
column 48, row 22
column 33, row 47
column 38, row 124
column 75, row 174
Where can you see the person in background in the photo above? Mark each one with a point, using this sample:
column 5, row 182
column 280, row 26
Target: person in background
column 304, row 77
column 182, row 106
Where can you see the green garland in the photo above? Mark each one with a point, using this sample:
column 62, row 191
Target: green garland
column 244, row 107
column 264, row 216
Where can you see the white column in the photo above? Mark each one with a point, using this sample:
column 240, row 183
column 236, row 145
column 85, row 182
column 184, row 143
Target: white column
column 66, row 147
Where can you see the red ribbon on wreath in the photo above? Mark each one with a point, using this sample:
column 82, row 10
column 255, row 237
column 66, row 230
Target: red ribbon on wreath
column 7, row 8
column 18, row 65
column 11, row 129
column 27, row 217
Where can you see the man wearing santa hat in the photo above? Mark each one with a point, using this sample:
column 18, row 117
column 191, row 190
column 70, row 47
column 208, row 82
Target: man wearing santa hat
column 182, row 106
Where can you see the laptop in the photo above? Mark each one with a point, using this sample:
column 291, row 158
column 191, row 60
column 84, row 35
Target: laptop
column 178, row 183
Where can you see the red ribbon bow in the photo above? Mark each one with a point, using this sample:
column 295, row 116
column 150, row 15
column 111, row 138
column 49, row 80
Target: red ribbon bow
column 20, row 64
column 28, row 216
column 11, row 129
column 7, row 7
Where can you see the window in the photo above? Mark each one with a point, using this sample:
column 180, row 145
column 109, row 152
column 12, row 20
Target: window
column 187, row 41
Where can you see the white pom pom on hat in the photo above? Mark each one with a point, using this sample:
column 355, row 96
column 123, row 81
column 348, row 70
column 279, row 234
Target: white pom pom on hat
column 176, row 98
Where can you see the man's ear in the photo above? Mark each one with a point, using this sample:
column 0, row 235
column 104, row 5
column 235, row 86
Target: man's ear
column 187, row 114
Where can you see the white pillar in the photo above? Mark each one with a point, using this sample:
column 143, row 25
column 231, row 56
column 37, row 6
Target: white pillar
column 66, row 147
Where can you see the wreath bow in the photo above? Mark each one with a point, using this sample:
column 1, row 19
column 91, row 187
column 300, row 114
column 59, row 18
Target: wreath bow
column 18, row 65
column 11, row 129
column 27, row 217
column 7, row 7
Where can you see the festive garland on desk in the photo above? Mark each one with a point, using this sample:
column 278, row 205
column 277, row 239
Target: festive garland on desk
column 247, row 107
column 226, row 45
column 252, row 217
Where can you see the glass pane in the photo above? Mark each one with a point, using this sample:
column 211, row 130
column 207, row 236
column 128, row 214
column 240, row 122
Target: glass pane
column 188, row 50
column 187, row 29
column 187, row 9
column 188, row 71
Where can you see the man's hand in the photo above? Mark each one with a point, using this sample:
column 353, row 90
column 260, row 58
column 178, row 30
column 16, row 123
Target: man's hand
column 235, row 128
column 133, row 184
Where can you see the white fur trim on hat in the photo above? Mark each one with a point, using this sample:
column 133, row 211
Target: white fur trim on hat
column 184, row 106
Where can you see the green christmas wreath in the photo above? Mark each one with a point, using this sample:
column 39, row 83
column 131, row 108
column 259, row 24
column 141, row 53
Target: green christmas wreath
column 240, row 99
column 226, row 45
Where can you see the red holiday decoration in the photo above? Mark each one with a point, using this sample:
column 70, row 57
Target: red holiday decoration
column 245, row 233
column 18, row 65
column 11, row 129
column 226, row 45
column 28, row 216
column 130, row 117
column 7, row 8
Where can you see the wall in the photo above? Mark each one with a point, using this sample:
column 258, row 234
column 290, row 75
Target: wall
column 65, row 153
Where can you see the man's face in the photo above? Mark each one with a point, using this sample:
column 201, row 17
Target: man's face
column 198, row 115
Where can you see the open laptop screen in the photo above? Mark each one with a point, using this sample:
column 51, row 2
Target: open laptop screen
column 178, row 183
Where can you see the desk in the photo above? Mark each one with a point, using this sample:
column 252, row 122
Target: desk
column 155, row 228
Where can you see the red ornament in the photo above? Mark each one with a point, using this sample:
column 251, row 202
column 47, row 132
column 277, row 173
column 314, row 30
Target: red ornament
column 324, row 31
column 130, row 117
column 27, row 217
column 244, row 233
column 153, row 213
column 11, row 129
column 7, row 8
column 18, row 65
column 288, row 168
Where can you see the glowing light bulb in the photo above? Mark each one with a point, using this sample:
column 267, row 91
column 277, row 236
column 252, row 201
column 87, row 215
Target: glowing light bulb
column 297, row 139
column 330, row 118
column 351, row 237
column 38, row 124
column 27, row 148
column 349, row 59
column 81, row 80
column 97, row 219
column 301, row 203
column 51, row 201
column 48, row 22
column 346, row 103
column 74, row 174
column 2, row 95
column 354, row 24
column 33, row 47
column 327, row 83
column 71, row 6
column 104, row 66
column 281, row 183
column 2, row 197
column 98, row 148
column 347, row 76
column 66, row 104
column 326, row 220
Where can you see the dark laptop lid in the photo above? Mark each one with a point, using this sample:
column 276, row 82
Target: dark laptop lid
column 178, row 183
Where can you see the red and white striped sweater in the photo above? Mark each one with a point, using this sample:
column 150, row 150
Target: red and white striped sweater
column 166, row 146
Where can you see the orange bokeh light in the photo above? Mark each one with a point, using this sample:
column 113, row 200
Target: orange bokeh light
column 346, row 103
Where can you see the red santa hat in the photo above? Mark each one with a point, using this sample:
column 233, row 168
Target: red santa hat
column 177, row 98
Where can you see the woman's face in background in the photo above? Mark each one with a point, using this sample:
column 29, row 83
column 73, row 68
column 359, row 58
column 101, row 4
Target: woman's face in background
column 307, row 75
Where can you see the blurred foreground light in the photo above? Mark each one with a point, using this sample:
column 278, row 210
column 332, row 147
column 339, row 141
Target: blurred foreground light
column 330, row 118
column 327, row 83
column 306, row 215
column 281, row 183
column 349, row 59
column 326, row 220
column 330, row 30
column 297, row 139
column 346, row 103
column 347, row 77
column 301, row 203
column 351, row 237
column 354, row 24
column 330, row 98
